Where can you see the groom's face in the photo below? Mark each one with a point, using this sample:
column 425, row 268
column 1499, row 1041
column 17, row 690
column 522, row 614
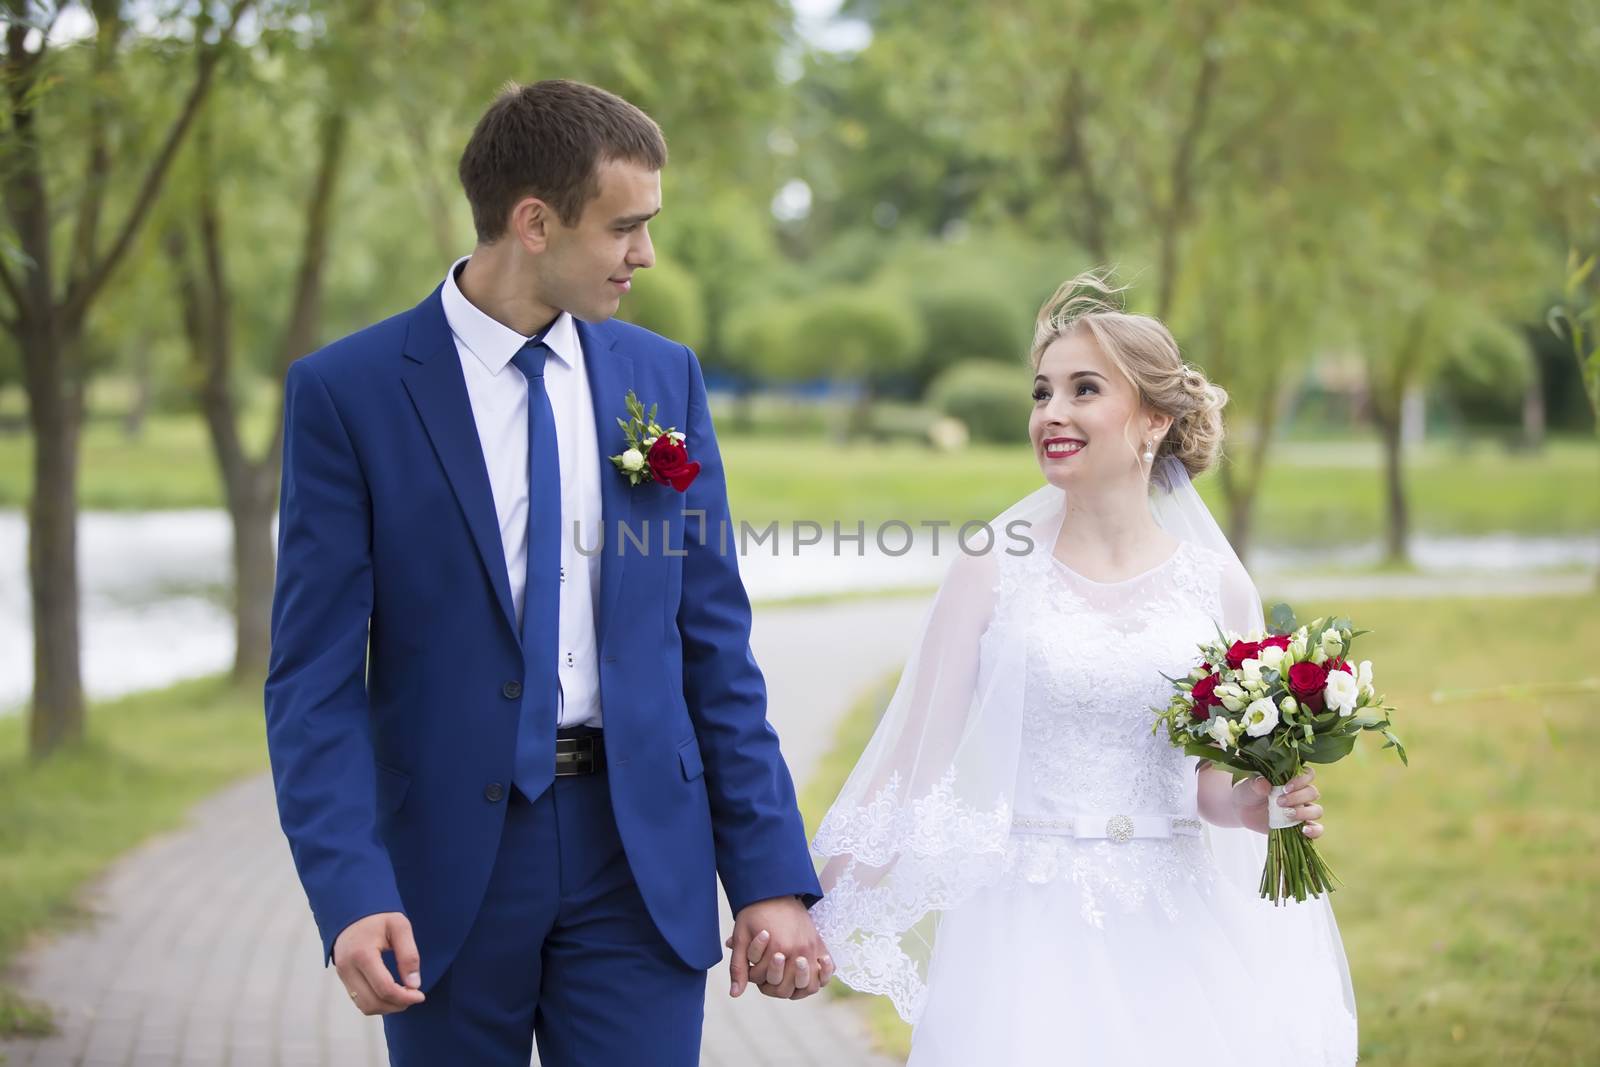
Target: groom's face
column 589, row 264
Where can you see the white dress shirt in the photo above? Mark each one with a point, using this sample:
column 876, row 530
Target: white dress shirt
column 499, row 396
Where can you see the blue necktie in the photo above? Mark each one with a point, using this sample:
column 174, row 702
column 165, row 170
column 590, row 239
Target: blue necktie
column 541, row 604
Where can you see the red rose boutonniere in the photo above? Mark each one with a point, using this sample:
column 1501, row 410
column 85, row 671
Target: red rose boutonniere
column 653, row 454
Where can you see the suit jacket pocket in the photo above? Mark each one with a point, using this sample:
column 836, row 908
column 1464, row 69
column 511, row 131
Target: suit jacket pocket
column 689, row 760
column 392, row 788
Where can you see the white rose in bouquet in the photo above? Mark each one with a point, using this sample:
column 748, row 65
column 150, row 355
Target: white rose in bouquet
column 1364, row 679
column 1260, row 717
column 1340, row 693
column 1220, row 733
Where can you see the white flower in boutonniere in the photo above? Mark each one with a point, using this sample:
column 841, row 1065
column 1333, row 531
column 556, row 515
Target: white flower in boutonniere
column 653, row 454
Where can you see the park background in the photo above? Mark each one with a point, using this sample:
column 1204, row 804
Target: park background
column 1374, row 224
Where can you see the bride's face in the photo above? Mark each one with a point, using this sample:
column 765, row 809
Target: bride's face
column 1087, row 427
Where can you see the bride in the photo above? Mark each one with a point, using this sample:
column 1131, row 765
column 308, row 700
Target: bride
column 1092, row 889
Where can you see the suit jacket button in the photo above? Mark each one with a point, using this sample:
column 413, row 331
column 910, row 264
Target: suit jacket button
column 511, row 690
column 493, row 792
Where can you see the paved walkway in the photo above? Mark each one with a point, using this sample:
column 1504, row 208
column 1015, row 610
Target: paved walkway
column 203, row 951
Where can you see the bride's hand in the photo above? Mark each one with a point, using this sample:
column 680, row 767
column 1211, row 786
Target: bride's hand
column 1250, row 802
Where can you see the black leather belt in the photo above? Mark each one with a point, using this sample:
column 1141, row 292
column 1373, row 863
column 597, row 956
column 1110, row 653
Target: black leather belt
column 580, row 750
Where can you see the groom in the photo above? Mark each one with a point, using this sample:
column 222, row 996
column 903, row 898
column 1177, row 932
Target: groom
column 511, row 768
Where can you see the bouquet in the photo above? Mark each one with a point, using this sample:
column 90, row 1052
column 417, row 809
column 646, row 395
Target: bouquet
column 1268, row 705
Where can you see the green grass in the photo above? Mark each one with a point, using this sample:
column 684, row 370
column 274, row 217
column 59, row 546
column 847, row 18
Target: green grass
column 1326, row 492
column 1471, row 878
column 149, row 758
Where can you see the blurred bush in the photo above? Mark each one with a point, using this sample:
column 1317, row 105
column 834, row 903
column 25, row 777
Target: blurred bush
column 989, row 397
column 960, row 322
column 667, row 299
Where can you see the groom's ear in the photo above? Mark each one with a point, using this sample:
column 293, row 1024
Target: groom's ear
column 531, row 219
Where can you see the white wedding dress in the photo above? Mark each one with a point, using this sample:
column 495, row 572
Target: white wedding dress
column 1050, row 948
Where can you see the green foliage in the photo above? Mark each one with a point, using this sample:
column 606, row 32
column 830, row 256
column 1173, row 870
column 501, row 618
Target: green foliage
column 724, row 238
column 962, row 323
column 1575, row 321
column 667, row 299
column 757, row 341
column 854, row 335
column 990, row 397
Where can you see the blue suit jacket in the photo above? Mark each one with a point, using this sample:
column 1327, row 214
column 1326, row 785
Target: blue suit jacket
column 394, row 639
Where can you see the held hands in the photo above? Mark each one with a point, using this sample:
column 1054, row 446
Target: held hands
column 358, row 957
column 1299, row 796
column 776, row 946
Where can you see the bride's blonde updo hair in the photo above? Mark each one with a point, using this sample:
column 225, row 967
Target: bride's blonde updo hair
column 1142, row 348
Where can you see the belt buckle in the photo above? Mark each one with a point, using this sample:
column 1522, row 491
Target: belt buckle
column 575, row 756
column 1119, row 828
column 570, row 765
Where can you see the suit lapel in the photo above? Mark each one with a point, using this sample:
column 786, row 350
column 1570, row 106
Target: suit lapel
column 610, row 374
column 439, row 391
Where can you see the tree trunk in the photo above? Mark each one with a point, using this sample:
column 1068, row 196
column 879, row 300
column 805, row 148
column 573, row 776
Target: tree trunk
column 860, row 426
column 139, row 406
column 1241, row 499
column 57, row 717
column 254, row 565
column 1397, row 524
column 1533, row 413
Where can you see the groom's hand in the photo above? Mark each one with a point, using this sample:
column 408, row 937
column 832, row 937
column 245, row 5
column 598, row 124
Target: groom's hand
column 776, row 945
column 358, row 957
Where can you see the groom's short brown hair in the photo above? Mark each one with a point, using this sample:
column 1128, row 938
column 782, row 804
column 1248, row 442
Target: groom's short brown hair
column 547, row 140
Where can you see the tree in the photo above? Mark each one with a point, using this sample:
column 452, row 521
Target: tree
column 857, row 337
column 1201, row 143
column 198, row 251
column 64, row 269
column 1447, row 236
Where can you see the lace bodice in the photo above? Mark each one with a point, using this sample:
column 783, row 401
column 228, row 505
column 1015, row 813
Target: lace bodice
column 1096, row 656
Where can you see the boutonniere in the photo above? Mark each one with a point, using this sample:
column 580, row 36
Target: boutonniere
column 653, row 454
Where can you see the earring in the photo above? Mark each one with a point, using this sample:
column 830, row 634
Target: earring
column 1149, row 453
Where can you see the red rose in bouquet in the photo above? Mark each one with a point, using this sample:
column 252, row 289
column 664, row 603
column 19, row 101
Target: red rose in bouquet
column 1240, row 651
column 1305, row 683
column 1205, row 697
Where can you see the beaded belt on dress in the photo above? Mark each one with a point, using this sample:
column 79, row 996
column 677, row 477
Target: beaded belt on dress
column 1118, row 828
